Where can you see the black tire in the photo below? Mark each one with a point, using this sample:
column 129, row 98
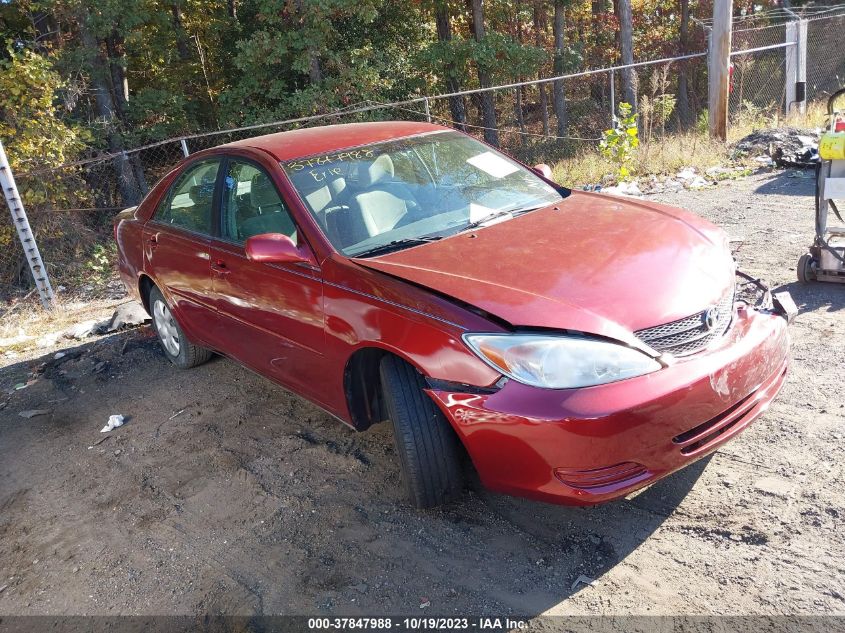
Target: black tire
column 805, row 269
column 428, row 448
column 176, row 346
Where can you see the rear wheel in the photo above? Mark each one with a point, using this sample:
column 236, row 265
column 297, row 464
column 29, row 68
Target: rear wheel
column 429, row 451
column 805, row 271
column 178, row 349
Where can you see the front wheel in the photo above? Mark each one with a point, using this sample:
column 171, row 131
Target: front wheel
column 805, row 271
column 429, row 451
column 178, row 349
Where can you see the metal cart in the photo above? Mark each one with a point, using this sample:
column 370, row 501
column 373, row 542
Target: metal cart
column 826, row 259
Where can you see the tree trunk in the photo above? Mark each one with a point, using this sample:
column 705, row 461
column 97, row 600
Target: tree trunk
column 444, row 34
column 117, row 69
column 488, row 103
column 557, row 89
column 597, row 91
column 130, row 188
column 683, row 108
column 315, row 73
column 539, row 33
column 626, row 45
column 233, row 9
column 181, row 36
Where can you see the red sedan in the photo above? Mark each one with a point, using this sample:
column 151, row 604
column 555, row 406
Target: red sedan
column 576, row 346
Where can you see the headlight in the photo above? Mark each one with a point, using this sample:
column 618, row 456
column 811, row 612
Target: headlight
column 559, row 362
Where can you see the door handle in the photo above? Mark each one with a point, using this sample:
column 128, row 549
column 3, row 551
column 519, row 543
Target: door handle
column 219, row 267
column 153, row 241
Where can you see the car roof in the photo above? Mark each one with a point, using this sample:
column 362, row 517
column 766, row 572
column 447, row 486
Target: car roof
column 329, row 138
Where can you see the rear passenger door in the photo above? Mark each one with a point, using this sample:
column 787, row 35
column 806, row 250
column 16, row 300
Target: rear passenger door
column 177, row 246
column 271, row 314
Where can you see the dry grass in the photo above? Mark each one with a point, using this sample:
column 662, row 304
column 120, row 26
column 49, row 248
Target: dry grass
column 670, row 154
column 660, row 157
column 24, row 325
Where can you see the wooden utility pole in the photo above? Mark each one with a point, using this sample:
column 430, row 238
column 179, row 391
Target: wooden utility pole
column 719, row 64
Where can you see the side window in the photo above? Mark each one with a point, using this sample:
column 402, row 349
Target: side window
column 251, row 204
column 189, row 203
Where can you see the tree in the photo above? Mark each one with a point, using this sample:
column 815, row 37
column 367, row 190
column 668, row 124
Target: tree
column 488, row 103
column 683, row 106
column 540, row 28
column 626, row 46
column 557, row 89
column 444, row 36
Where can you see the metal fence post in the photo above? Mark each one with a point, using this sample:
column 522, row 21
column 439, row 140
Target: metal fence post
column 612, row 99
column 427, row 110
column 184, row 145
column 21, row 222
column 796, row 66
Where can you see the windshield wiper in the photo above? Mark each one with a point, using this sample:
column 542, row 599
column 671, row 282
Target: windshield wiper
column 486, row 219
column 396, row 245
column 498, row 214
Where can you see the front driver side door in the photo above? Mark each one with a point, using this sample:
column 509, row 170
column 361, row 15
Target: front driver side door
column 271, row 315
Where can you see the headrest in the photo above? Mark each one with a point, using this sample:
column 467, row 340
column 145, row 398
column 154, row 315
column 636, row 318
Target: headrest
column 262, row 193
column 372, row 173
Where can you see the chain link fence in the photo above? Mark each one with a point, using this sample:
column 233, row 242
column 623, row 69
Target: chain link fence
column 70, row 208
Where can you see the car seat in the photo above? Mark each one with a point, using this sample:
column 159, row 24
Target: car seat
column 271, row 215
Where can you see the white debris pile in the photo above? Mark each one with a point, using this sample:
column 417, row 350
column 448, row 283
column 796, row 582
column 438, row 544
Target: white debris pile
column 114, row 422
column 625, row 188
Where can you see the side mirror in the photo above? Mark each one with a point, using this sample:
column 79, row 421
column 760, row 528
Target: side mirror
column 275, row 248
column 544, row 170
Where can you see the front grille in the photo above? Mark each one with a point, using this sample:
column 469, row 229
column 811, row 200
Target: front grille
column 690, row 334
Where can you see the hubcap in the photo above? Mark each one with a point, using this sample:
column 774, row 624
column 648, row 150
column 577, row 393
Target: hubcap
column 166, row 327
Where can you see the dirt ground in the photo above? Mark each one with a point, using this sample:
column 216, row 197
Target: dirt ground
column 225, row 494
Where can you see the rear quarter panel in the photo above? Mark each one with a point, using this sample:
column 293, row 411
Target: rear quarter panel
column 130, row 254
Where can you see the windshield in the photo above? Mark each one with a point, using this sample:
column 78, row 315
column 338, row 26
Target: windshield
column 391, row 195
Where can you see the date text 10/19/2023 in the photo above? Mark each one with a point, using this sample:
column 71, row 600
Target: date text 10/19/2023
column 417, row 624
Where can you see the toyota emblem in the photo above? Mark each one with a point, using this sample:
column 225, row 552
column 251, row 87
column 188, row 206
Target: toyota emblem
column 710, row 318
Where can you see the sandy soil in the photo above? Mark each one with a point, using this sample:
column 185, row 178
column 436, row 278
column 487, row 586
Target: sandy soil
column 225, row 494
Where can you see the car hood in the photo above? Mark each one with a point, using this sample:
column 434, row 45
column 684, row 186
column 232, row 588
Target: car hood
column 592, row 263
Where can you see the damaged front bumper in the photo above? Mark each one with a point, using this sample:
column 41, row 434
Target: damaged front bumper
column 589, row 445
column 762, row 298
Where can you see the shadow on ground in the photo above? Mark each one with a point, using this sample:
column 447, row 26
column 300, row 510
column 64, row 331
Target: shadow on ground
column 225, row 494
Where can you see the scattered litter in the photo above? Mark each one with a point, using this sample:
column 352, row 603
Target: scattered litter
column 127, row 315
column 764, row 160
column 59, row 355
column 425, row 603
column 21, row 385
column 86, row 329
column 3, row 588
column 624, row 188
column 31, row 413
column 117, row 452
column 691, row 179
column 583, row 580
column 114, row 422
column 177, row 414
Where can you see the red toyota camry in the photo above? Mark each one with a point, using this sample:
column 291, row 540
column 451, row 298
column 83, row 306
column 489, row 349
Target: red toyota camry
column 576, row 346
